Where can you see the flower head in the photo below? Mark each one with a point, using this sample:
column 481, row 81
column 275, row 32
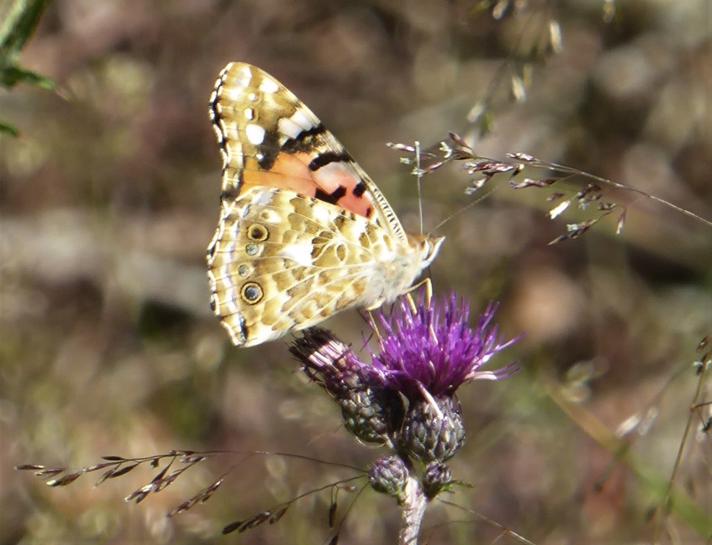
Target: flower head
column 431, row 350
column 425, row 354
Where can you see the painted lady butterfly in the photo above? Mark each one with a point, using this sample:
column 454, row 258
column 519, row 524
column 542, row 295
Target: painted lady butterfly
column 304, row 232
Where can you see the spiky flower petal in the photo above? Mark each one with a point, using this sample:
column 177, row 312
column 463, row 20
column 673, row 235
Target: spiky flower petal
column 433, row 348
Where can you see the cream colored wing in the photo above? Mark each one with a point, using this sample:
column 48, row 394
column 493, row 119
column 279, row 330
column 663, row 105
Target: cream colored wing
column 281, row 261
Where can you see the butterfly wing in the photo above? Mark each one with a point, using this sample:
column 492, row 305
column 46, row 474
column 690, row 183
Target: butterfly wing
column 268, row 137
column 302, row 228
column 281, row 261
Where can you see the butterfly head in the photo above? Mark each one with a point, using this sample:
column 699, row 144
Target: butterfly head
column 428, row 248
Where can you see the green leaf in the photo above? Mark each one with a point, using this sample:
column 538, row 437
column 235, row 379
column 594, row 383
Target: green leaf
column 18, row 20
column 8, row 129
column 12, row 75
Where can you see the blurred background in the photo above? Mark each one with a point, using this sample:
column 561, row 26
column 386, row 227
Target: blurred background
column 109, row 196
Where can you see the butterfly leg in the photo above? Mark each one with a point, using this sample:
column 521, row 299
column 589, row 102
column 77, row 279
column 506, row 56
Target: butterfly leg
column 427, row 282
column 374, row 326
column 411, row 302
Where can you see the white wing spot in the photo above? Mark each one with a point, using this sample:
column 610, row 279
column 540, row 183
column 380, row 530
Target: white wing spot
column 300, row 253
column 288, row 127
column 268, row 86
column 249, row 114
column 255, row 133
column 302, row 118
column 270, row 216
column 242, row 76
column 321, row 215
column 263, row 198
column 233, row 94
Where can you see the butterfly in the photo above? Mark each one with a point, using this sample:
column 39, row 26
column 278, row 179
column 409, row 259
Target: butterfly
column 303, row 231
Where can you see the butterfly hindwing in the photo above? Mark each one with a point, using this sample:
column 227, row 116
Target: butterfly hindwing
column 279, row 262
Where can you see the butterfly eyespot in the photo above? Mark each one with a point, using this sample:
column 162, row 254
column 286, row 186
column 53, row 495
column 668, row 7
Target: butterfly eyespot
column 244, row 270
column 257, row 232
column 252, row 292
column 252, row 249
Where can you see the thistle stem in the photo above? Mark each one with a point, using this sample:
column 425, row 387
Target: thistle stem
column 413, row 510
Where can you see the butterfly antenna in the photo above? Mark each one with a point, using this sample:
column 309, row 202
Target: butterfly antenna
column 419, row 175
column 427, row 281
column 462, row 209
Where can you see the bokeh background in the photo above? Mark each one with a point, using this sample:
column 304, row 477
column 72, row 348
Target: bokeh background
column 109, row 197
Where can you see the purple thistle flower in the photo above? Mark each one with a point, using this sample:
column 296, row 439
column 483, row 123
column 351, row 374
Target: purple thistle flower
column 425, row 353
column 431, row 350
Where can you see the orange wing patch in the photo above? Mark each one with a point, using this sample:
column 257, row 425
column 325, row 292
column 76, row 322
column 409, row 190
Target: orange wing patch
column 328, row 177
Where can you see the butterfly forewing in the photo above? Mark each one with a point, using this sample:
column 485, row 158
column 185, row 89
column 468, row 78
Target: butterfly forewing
column 269, row 137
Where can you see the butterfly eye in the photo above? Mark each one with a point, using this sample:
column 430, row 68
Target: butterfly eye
column 257, row 232
column 252, row 292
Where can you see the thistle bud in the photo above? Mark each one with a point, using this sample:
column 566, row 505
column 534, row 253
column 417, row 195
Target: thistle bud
column 436, row 477
column 433, row 429
column 370, row 411
column 389, row 475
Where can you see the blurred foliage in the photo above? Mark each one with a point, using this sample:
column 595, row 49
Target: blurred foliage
column 19, row 19
column 108, row 201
